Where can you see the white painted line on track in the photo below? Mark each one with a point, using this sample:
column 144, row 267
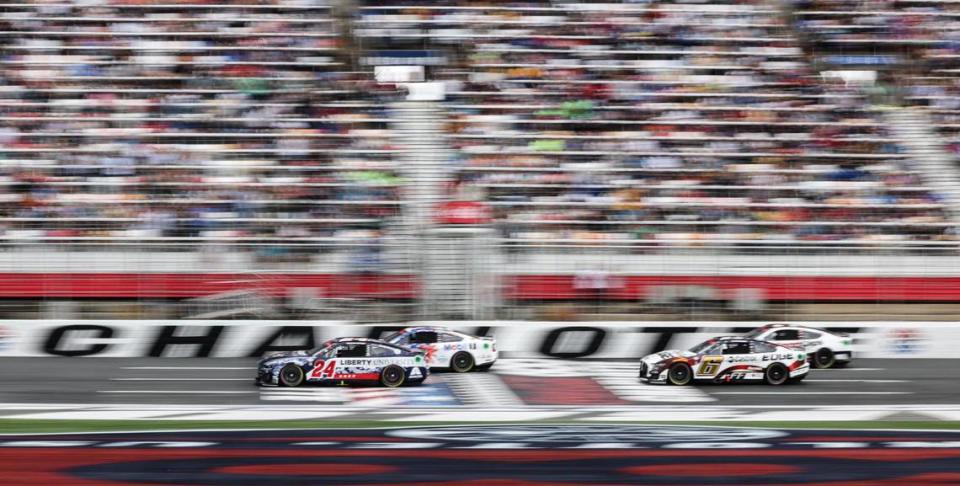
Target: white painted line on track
column 815, row 393
column 181, row 379
column 817, row 370
column 248, row 368
column 184, row 392
column 854, row 381
column 482, row 389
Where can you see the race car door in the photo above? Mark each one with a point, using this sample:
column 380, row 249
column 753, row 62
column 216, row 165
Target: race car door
column 710, row 362
column 329, row 364
column 426, row 342
column 735, row 356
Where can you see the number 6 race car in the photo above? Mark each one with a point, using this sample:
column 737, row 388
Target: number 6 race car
column 724, row 360
column 445, row 348
column 344, row 360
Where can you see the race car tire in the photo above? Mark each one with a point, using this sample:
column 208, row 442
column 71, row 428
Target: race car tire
column 680, row 374
column 823, row 358
column 776, row 374
column 291, row 375
column 461, row 362
column 392, row 376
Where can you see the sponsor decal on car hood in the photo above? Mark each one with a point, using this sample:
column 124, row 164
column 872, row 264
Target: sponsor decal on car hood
column 664, row 355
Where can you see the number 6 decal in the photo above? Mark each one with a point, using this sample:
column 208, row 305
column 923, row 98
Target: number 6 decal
column 709, row 365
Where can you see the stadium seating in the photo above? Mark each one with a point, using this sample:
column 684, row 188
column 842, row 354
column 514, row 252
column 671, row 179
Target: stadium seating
column 663, row 123
column 666, row 123
column 188, row 121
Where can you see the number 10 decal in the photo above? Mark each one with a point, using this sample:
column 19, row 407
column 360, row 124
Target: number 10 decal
column 710, row 365
column 319, row 371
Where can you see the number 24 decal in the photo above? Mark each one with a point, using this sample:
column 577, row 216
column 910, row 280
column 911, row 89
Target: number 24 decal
column 319, row 371
column 709, row 365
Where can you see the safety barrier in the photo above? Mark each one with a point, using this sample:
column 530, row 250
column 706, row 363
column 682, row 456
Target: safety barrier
column 564, row 340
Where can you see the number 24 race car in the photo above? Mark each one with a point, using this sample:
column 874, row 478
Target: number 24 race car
column 724, row 360
column 344, row 360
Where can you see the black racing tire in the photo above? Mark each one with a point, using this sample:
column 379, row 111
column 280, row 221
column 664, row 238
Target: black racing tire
column 680, row 374
column 461, row 362
column 392, row 376
column 776, row 374
column 291, row 375
column 824, row 358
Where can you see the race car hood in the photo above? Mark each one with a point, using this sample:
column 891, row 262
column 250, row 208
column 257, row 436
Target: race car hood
column 655, row 358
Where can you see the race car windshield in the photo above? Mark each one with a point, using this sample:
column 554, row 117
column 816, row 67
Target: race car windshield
column 392, row 336
column 756, row 332
column 321, row 347
column 702, row 346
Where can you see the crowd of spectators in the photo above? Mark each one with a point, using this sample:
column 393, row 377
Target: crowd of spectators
column 656, row 121
column 188, row 120
column 662, row 121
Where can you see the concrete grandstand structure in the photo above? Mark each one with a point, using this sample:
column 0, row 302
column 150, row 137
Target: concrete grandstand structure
column 207, row 159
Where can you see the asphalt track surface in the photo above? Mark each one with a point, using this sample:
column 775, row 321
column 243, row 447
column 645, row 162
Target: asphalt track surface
column 198, row 381
column 535, row 455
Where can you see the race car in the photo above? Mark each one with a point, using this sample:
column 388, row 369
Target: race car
column 344, row 360
column 448, row 349
column 824, row 348
column 724, row 360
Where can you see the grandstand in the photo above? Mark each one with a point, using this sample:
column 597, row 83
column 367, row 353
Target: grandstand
column 161, row 157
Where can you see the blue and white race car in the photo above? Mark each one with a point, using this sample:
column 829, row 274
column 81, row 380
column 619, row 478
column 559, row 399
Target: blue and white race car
column 344, row 360
column 448, row 349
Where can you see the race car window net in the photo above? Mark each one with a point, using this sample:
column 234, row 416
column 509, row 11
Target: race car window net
column 425, row 337
column 736, row 348
column 352, row 351
column 786, row 335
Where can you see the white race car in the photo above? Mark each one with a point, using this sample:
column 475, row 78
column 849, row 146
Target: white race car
column 728, row 359
column 446, row 348
column 825, row 348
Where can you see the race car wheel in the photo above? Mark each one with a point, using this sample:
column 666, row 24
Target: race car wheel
column 680, row 374
column 776, row 374
column 291, row 375
column 461, row 362
column 392, row 376
column 824, row 358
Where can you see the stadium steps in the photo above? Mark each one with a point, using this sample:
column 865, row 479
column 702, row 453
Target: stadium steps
column 913, row 127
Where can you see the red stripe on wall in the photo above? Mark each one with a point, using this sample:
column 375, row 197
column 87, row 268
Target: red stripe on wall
column 184, row 285
column 524, row 287
column 792, row 288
